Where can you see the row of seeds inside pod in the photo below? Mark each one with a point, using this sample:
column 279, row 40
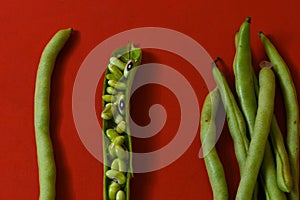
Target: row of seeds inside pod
column 114, row 109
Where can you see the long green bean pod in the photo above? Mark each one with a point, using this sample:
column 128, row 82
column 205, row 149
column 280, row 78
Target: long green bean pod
column 213, row 164
column 261, row 132
column 243, row 71
column 235, row 119
column 245, row 84
column 45, row 157
column 292, row 110
column 268, row 172
column 117, row 147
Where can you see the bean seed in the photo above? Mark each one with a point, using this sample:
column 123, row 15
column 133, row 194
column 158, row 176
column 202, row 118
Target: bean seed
column 111, row 77
column 112, row 190
column 115, row 71
column 116, row 176
column 110, row 90
column 120, row 195
column 119, row 165
column 111, row 134
column 120, row 152
column 121, row 127
column 119, row 140
column 117, row 62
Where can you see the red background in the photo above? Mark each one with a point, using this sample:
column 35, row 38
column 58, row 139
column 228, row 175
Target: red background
column 26, row 26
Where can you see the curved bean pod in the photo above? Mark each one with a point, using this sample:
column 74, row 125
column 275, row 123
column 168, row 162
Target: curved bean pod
column 235, row 119
column 45, row 157
column 284, row 177
column 292, row 110
column 243, row 71
column 245, row 84
column 213, row 164
column 268, row 172
column 261, row 131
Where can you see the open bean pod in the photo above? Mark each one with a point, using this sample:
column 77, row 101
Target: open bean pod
column 115, row 115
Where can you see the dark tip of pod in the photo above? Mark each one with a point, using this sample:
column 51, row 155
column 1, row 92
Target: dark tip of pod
column 214, row 63
column 260, row 33
column 248, row 19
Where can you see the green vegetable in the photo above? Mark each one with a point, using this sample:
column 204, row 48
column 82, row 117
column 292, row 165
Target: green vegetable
column 115, row 114
column 208, row 137
column 292, row 111
column 45, row 157
column 244, row 84
column 243, row 71
column 247, row 89
column 235, row 119
column 261, row 129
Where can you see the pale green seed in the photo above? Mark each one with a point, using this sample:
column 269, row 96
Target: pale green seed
column 121, row 127
column 112, row 150
column 118, row 165
column 106, row 116
column 115, row 71
column 110, row 90
column 117, row 62
column 120, row 195
column 118, row 119
column 116, row 176
column 117, row 84
column 111, row 134
column 120, row 152
column 108, row 98
column 112, row 83
column 106, row 113
column 119, row 140
column 112, row 190
column 111, row 77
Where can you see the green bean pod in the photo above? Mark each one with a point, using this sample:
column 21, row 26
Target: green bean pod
column 235, row 119
column 45, row 157
column 268, row 171
column 284, row 177
column 117, row 147
column 292, row 110
column 213, row 164
column 261, row 132
column 245, row 84
column 243, row 71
